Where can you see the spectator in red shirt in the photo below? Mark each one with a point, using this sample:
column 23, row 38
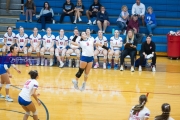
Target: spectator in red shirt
column 133, row 24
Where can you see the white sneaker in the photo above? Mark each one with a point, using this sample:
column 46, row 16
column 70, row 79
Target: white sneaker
column 80, row 19
column 70, row 62
column 1, row 96
column 89, row 23
column 74, row 22
column 9, row 99
column 83, row 86
column 104, row 65
column 140, row 68
column 94, row 22
column 132, row 69
column 121, row 68
column 154, row 69
column 103, row 32
column 38, row 60
column 75, row 82
column 96, row 65
column 61, row 65
column 43, row 30
column 51, row 62
column 42, row 61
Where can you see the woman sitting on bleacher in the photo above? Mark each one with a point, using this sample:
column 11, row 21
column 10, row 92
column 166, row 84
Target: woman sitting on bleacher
column 79, row 8
column 46, row 14
column 48, row 46
column 148, row 49
column 130, row 44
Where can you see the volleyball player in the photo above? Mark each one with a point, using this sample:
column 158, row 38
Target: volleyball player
column 140, row 112
column 35, row 40
column 74, row 48
column 5, row 73
column 48, row 46
column 86, row 60
column 61, row 44
column 88, row 32
column 115, row 44
column 28, row 90
column 9, row 40
column 99, row 50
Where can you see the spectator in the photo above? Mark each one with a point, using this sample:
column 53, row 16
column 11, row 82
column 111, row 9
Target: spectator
column 166, row 109
column 150, row 20
column 79, row 8
column 7, row 5
column 46, row 14
column 122, row 19
column 133, row 24
column 29, row 9
column 139, row 9
column 92, row 12
column 140, row 112
column 88, row 32
column 130, row 44
column 148, row 49
column 102, row 19
column 68, row 9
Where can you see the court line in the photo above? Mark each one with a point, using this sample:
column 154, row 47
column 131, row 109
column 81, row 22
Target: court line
column 15, row 111
column 107, row 90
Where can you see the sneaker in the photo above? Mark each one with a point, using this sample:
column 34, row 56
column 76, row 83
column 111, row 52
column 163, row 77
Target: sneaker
column 80, row 19
column 25, row 20
column 121, row 68
column 132, row 69
column 94, row 22
column 51, row 62
column 109, row 66
column 42, row 61
column 89, row 23
column 1, row 96
column 153, row 69
column 140, row 68
column 43, row 30
column 38, row 60
column 9, row 99
column 30, row 21
column 83, row 86
column 75, row 82
column 74, row 22
column 115, row 66
column 96, row 65
column 70, row 62
column 104, row 65
column 61, row 65
column 103, row 32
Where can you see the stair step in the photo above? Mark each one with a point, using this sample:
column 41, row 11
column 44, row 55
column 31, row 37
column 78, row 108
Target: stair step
column 12, row 1
column 3, row 27
column 8, row 20
column 10, row 13
column 12, row 6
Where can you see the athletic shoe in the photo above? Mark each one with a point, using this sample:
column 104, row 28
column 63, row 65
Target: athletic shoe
column 75, row 82
column 109, row 66
column 38, row 60
column 132, row 69
column 80, row 19
column 30, row 21
column 153, row 69
column 83, row 86
column 9, row 99
column 96, row 65
column 140, row 68
column 43, row 30
column 1, row 96
column 89, row 23
column 104, row 65
column 121, row 68
column 70, row 62
column 61, row 65
column 115, row 66
column 94, row 22
column 42, row 61
column 51, row 62
column 74, row 22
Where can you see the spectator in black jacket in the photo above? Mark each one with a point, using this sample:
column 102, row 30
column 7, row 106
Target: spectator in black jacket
column 148, row 49
column 68, row 9
column 102, row 19
column 92, row 12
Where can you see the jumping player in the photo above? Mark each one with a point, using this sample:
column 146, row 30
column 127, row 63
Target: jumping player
column 9, row 40
column 48, row 46
column 5, row 73
column 115, row 44
column 27, row 91
column 61, row 44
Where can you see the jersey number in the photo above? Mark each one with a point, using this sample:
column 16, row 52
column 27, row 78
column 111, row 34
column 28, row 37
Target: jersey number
column 21, row 40
column 87, row 44
column 35, row 40
column 48, row 41
column 27, row 83
column 9, row 39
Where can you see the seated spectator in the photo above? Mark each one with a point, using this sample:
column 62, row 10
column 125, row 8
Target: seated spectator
column 30, row 6
column 122, row 19
column 166, row 109
column 139, row 9
column 79, row 8
column 102, row 19
column 68, row 10
column 140, row 111
column 130, row 44
column 147, row 51
column 92, row 12
column 46, row 14
column 150, row 20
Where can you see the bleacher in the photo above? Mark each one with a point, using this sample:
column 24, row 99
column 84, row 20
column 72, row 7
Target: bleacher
column 167, row 14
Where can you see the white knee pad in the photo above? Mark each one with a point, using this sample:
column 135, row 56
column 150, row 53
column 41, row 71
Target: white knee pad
column 86, row 75
column 51, row 53
column 116, row 57
column 57, row 54
column 109, row 57
column 35, row 113
column 67, row 55
column 8, row 86
column 27, row 113
column 42, row 53
column 3, row 49
column 25, row 51
column 37, row 50
column 95, row 57
column 105, row 57
column 62, row 55
column 29, row 50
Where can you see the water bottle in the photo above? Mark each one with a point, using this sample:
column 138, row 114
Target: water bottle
column 46, row 62
column 113, row 31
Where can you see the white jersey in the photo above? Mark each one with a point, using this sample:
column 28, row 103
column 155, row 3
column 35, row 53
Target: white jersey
column 87, row 47
column 26, row 92
column 48, row 40
column 144, row 113
column 35, row 39
column 116, row 42
column 91, row 38
column 61, row 41
column 21, row 39
column 101, row 41
column 9, row 39
column 77, row 41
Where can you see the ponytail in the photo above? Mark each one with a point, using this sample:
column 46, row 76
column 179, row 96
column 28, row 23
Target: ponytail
column 142, row 102
column 33, row 74
column 166, row 112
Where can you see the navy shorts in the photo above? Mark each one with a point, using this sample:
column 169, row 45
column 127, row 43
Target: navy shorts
column 87, row 59
column 23, row 102
column 2, row 69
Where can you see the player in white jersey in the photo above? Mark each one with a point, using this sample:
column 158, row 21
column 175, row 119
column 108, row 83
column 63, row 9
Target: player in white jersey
column 86, row 60
column 99, row 50
column 73, row 48
column 28, row 90
column 61, row 44
column 88, row 32
column 115, row 45
column 48, row 46
column 166, row 109
column 9, row 40
column 35, row 40
column 140, row 112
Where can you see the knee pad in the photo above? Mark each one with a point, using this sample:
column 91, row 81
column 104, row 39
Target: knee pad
column 57, row 54
column 67, row 55
column 35, row 113
column 8, row 86
column 37, row 50
column 79, row 73
column 27, row 113
column 105, row 57
column 51, row 53
column 42, row 53
column 116, row 57
column 62, row 55
column 86, row 75
column 109, row 57
column 95, row 57
column 3, row 49
column 25, row 51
